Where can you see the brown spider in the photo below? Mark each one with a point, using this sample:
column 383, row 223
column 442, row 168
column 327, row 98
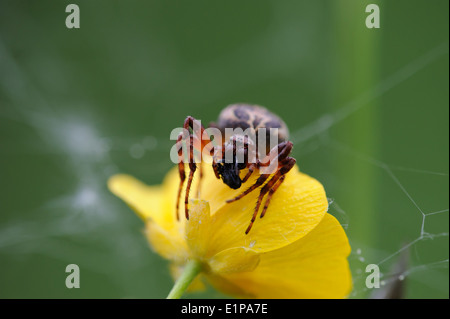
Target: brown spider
column 239, row 151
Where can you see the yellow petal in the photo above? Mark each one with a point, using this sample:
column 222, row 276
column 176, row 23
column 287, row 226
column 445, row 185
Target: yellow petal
column 154, row 202
column 296, row 208
column 234, row 260
column 197, row 234
column 315, row 266
column 166, row 242
column 146, row 200
column 227, row 287
column 197, row 228
column 156, row 206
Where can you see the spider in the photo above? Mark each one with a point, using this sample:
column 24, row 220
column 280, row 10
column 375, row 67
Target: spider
column 238, row 152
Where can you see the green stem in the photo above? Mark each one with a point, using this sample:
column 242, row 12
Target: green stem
column 191, row 270
column 358, row 50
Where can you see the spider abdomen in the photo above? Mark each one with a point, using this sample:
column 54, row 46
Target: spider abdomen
column 253, row 117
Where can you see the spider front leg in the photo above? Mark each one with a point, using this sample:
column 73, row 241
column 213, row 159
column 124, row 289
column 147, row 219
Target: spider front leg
column 285, row 164
column 195, row 140
column 279, row 153
column 251, row 169
column 182, row 173
column 270, row 188
column 217, row 159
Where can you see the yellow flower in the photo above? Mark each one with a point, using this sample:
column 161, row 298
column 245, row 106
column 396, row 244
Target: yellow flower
column 297, row 250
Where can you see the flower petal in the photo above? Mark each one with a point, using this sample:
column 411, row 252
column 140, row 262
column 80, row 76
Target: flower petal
column 315, row 266
column 166, row 243
column 145, row 200
column 197, row 234
column 156, row 205
column 295, row 209
column 155, row 202
column 234, row 260
column 197, row 228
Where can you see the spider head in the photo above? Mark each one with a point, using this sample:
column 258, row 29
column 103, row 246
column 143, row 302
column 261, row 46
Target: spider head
column 231, row 158
column 229, row 173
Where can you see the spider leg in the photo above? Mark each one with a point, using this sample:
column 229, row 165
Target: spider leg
column 276, row 155
column 285, row 164
column 196, row 140
column 289, row 163
column 269, row 195
column 215, row 165
column 280, row 152
column 180, row 187
column 192, row 167
column 258, row 183
column 263, row 192
column 251, row 169
column 181, row 172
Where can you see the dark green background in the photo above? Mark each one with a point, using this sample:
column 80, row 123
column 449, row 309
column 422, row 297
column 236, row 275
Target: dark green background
column 367, row 109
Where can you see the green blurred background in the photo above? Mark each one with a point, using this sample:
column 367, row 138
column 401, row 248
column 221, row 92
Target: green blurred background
column 367, row 110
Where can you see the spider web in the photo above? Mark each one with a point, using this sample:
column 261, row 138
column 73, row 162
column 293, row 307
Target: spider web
column 319, row 131
column 92, row 156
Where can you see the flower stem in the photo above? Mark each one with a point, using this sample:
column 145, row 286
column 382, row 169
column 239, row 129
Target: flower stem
column 191, row 270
